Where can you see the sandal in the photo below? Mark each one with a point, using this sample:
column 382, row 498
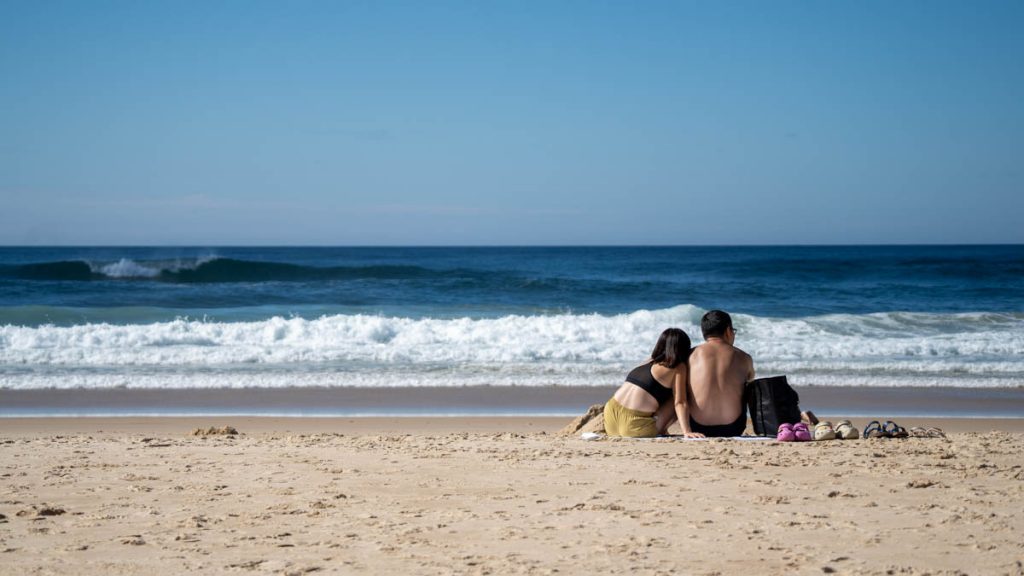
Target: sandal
column 930, row 432
column 846, row 431
column 824, row 431
column 785, row 433
column 801, row 432
column 874, row 430
column 809, row 417
column 894, row 430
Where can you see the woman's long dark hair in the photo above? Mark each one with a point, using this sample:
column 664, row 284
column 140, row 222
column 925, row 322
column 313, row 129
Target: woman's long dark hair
column 672, row 349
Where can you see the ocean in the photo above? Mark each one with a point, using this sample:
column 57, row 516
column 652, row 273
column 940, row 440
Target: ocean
column 295, row 319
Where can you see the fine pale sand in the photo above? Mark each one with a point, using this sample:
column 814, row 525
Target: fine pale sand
column 499, row 496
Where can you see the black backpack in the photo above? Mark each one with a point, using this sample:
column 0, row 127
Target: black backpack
column 771, row 401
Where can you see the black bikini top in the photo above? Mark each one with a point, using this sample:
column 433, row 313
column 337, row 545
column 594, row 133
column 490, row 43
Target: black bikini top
column 644, row 378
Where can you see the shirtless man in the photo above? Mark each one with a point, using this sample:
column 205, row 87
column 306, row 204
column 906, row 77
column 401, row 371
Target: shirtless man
column 718, row 373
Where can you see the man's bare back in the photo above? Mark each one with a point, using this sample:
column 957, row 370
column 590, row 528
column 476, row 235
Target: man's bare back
column 718, row 373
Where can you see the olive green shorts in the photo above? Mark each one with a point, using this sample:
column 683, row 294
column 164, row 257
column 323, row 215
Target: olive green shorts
column 621, row 421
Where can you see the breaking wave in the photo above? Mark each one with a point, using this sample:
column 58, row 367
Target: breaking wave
column 882, row 349
column 214, row 270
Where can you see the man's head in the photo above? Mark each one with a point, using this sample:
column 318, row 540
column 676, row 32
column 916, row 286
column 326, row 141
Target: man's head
column 717, row 324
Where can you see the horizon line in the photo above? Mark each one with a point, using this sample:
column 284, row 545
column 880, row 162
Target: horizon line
column 639, row 245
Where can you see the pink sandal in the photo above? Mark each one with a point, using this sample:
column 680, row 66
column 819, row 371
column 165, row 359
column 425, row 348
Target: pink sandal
column 785, row 433
column 801, row 432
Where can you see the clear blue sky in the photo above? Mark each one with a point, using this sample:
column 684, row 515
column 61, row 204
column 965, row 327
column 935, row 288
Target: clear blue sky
column 512, row 122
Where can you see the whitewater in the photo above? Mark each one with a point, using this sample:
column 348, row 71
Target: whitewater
column 866, row 350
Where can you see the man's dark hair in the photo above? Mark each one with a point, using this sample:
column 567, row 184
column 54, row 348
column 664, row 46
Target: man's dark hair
column 714, row 324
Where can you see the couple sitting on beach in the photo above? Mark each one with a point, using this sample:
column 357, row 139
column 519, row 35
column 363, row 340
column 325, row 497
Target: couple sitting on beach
column 702, row 387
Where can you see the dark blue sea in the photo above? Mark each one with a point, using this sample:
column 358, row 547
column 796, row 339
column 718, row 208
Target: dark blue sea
column 227, row 318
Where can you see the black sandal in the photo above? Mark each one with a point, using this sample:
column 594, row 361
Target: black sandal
column 874, row 430
column 894, row 430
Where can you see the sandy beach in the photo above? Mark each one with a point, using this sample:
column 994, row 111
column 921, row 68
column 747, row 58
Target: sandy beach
column 341, row 287
column 498, row 496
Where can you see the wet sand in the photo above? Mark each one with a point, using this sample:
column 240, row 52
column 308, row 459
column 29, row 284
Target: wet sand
column 870, row 402
column 498, row 496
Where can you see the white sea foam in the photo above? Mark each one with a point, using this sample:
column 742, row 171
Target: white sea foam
column 125, row 268
column 359, row 350
column 128, row 268
column 131, row 379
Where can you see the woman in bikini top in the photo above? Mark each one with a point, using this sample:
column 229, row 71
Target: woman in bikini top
column 643, row 406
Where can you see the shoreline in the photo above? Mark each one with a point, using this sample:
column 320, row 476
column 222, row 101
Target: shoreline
column 473, row 401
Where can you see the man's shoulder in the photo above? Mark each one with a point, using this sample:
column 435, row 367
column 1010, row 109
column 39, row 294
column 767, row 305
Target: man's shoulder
column 702, row 349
